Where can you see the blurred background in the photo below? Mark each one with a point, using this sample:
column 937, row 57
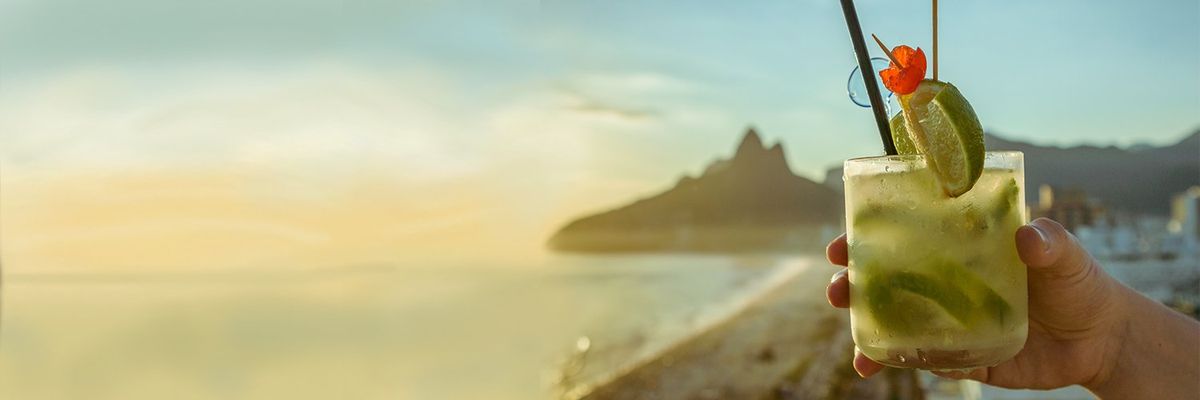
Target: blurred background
column 522, row 199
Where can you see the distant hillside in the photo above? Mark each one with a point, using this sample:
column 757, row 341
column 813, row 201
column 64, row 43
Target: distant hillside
column 1140, row 180
column 752, row 201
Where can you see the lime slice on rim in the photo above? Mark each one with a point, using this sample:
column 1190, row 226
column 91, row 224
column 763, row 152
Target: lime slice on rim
column 942, row 125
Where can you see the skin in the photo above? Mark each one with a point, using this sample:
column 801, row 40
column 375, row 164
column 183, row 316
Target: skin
column 1085, row 328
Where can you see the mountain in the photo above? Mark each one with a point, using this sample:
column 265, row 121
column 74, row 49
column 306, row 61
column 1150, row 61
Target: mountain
column 751, row 201
column 1140, row 180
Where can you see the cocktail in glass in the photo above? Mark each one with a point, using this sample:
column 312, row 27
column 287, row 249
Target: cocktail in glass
column 935, row 281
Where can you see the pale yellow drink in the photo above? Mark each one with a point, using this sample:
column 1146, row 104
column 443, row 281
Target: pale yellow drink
column 935, row 281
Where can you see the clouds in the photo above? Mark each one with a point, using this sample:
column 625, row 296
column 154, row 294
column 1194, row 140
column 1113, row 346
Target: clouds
column 585, row 105
column 343, row 116
column 636, row 96
column 313, row 114
column 412, row 159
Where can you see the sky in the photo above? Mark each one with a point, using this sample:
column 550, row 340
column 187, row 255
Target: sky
column 482, row 118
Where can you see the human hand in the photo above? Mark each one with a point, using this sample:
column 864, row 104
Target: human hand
column 1078, row 316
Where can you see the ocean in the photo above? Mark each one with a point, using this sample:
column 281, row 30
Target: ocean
column 422, row 330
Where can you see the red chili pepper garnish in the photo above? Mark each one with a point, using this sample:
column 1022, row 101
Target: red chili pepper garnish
column 904, row 78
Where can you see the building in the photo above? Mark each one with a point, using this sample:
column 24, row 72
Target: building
column 1184, row 226
column 1070, row 207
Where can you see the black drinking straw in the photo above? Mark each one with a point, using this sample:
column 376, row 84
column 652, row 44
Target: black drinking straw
column 868, row 73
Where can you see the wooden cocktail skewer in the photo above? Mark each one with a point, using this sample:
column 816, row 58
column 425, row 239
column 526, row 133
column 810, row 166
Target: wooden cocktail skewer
column 886, row 51
column 935, row 35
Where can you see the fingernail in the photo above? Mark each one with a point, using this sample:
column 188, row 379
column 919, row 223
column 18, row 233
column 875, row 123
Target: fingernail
column 1043, row 237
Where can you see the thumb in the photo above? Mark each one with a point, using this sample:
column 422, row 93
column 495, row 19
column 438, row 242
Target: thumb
column 1048, row 249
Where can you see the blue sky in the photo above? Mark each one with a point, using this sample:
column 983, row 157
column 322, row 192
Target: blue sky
column 552, row 107
column 1051, row 72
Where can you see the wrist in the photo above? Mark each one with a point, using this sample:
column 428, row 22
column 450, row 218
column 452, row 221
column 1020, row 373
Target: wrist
column 1155, row 352
column 1120, row 351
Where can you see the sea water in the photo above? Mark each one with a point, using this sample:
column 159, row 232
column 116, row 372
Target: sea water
column 422, row 330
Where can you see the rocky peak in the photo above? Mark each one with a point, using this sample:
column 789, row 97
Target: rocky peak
column 753, row 156
column 753, row 190
column 751, row 144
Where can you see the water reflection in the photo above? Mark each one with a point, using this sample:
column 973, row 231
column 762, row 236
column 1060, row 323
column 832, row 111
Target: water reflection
column 370, row 331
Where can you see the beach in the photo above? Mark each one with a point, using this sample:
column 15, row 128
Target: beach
column 787, row 343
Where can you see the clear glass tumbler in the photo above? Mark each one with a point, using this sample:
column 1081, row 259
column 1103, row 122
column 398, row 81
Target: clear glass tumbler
column 935, row 281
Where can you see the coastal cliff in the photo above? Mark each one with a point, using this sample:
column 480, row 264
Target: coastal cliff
column 751, row 201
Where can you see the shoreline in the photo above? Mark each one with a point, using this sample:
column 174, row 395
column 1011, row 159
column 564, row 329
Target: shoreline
column 784, row 342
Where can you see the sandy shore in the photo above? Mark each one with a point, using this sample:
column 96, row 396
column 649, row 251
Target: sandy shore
column 786, row 344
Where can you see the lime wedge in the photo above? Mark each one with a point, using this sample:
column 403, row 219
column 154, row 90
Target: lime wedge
column 1006, row 199
column 989, row 302
column 945, row 294
column 901, row 312
column 887, row 216
column 897, row 298
column 904, row 145
column 942, row 125
column 886, row 309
